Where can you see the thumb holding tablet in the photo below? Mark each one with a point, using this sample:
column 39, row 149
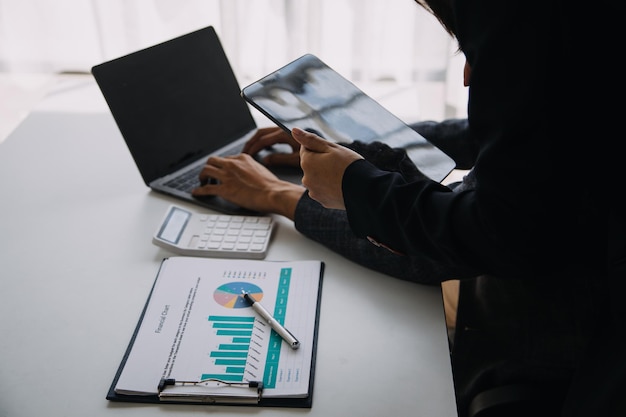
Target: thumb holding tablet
column 323, row 164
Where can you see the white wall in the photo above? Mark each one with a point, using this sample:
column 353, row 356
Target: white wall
column 368, row 41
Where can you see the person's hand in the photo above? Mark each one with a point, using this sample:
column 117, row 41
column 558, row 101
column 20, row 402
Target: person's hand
column 268, row 136
column 245, row 182
column 324, row 164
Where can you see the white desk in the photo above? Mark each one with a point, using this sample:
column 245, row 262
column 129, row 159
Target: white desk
column 76, row 267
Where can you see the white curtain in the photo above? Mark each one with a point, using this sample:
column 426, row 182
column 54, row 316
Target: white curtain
column 368, row 41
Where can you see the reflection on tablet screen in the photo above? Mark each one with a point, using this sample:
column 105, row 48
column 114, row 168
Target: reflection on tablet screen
column 308, row 94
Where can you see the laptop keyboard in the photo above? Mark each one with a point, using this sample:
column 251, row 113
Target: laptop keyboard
column 188, row 180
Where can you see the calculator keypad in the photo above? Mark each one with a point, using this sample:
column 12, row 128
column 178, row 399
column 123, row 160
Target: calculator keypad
column 230, row 233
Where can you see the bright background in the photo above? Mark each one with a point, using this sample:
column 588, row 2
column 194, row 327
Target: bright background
column 387, row 47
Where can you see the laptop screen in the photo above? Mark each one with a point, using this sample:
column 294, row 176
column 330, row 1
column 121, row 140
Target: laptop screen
column 175, row 102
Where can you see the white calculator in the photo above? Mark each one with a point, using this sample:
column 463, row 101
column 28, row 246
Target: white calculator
column 189, row 232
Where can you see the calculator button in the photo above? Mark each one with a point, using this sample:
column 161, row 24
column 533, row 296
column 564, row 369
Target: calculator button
column 260, row 226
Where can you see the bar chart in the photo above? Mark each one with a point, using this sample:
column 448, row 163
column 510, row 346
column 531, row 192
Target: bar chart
column 234, row 333
column 246, row 348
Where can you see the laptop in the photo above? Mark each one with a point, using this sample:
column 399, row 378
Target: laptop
column 308, row 94
column 175, row 104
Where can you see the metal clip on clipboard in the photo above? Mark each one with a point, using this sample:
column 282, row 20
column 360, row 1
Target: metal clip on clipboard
column 210, row 391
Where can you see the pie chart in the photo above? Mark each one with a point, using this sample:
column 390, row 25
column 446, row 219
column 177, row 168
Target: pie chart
column 229, row 295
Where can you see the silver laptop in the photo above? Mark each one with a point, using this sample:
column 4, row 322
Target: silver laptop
column 175, row 104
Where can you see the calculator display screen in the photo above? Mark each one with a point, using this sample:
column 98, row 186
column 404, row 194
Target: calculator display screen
column 174, row 225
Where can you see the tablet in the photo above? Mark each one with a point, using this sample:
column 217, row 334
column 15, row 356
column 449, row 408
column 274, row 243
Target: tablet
column 308, row 94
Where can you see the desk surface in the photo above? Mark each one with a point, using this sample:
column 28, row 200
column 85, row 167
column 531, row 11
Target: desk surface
column 77, row 264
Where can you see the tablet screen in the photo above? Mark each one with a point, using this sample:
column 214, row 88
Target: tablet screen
column 308, row 94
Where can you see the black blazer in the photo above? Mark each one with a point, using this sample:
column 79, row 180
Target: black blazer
column 537, row 220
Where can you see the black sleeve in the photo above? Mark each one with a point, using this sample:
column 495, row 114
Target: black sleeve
column 331, row 229
column 452, row 137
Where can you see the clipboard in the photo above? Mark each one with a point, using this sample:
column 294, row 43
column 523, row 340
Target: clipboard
column 169, row 389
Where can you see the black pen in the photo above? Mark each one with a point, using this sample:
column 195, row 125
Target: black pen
column 278, row 328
